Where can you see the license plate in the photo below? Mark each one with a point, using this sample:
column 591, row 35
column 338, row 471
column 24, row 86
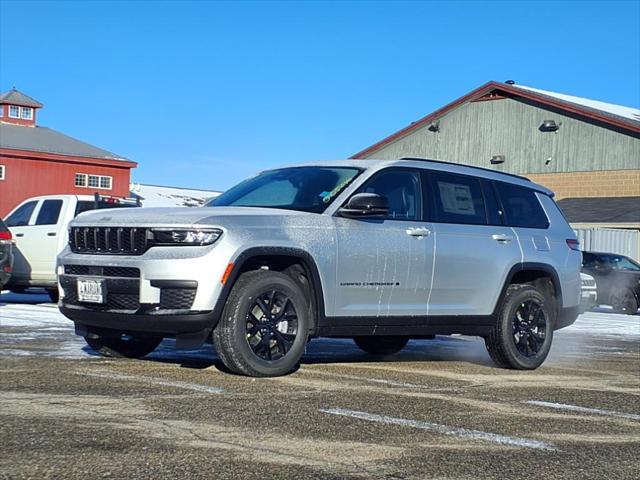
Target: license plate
column 91, row 290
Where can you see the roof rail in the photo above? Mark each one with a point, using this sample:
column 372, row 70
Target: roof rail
column 442, row 162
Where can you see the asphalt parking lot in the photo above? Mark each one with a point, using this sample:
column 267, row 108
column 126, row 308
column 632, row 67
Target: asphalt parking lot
column 439, row 409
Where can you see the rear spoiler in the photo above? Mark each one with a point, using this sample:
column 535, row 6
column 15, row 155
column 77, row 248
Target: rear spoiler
column 125, row 202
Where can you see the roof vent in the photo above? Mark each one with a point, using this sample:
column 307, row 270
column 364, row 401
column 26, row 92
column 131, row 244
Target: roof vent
column 510, row 82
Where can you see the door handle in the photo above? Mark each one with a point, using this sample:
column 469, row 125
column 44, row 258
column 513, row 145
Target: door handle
column 499, row 237
column 418, row 232
column 19, row 234
column 51, row 234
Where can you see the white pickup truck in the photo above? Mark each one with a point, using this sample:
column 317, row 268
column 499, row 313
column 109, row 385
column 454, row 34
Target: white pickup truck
column 39, row 226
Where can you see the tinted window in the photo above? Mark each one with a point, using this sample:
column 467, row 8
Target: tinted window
column 307, row 189
column 3, row 226
column 458, row 199
column 494, row 214
column 615, row 262
column 403, row 191
column 521, row 206
column 21, row 216
column 49, row 212
column 85, row 206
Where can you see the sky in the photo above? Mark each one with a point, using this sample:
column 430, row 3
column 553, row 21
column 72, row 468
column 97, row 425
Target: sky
column 203, row 94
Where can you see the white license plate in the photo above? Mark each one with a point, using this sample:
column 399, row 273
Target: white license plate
column 91, row 290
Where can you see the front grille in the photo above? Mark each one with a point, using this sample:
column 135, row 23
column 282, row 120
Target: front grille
column 128, row 272
column 176, row 298
column 109, row 240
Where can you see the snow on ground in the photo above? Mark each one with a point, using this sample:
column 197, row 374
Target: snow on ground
column 159, row 196
column 31, row 325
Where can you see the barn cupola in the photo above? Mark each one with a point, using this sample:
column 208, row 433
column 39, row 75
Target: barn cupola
column 18, row 108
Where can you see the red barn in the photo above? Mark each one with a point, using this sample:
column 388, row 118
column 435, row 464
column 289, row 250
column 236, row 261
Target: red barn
column 37, row 160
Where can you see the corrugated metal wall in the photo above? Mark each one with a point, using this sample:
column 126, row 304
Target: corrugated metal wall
column 623, row 242
column 476, row 131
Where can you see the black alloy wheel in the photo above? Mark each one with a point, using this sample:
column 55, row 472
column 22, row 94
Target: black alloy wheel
column 271, row 325
column 529, row 327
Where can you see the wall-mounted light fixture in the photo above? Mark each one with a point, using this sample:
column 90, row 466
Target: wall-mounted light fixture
column 434, row 127
column 497, row 159
column 549, row 126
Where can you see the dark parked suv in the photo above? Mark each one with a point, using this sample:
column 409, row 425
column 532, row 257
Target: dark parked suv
column 617, row 278
column 6, row 254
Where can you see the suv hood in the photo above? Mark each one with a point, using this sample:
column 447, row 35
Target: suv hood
column 172, row 217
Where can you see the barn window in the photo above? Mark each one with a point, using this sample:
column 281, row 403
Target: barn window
column 14, row 111
column 26, row 113
column 94, row 181
column 1, row 172
column 105, row 182
column 81, row 180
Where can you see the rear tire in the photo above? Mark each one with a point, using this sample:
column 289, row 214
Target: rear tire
column 264, row 327
column 381, row 345
column 53, row 294
column 623, row 301
column 522, row 336
column 124, row 347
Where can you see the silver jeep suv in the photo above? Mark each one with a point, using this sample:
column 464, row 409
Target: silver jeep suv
column 378, row 251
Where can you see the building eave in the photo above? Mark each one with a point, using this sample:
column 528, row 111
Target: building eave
column 40, row 155
column 511, row 91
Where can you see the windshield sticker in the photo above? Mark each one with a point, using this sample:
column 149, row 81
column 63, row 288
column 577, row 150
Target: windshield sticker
column 336, row 191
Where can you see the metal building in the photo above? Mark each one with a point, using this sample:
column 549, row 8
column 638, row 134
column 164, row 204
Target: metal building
column 586, row 151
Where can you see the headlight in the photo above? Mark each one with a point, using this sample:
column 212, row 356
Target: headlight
column 196, row 236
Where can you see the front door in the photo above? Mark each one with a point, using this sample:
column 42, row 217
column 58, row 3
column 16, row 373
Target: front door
column 384, row 265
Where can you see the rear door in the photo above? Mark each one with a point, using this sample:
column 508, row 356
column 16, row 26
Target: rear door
column 35, row 227
column 384, row 264
column 474, row 250
column 47, row 235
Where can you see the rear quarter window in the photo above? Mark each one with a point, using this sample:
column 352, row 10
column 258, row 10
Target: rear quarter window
column 521, row 206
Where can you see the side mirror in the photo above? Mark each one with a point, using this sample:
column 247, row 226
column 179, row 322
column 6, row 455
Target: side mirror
column 365, row 205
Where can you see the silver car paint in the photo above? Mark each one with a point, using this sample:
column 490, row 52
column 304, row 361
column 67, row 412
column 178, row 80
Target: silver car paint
column 397, row 267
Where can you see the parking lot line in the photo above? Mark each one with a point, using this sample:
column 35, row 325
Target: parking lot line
column 443, row 429
column 155, row 381
column 576, row 408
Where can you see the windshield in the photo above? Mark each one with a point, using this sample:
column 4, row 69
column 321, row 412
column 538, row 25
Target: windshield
column 307, row 189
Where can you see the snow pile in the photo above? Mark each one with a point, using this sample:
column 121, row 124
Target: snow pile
column 159, row 196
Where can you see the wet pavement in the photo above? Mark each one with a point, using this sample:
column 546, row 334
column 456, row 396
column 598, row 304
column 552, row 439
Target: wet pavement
column 439, row 409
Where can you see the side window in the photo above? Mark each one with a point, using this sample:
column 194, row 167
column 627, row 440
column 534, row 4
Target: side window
column 458, row 199
column 403, row 191
column 494, row 213
column 21, row 216
column 49, row 212
column 521, row 206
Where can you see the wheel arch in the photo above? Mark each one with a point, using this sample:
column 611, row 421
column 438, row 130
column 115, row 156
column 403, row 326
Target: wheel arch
column 532, row 272
column 278, row 259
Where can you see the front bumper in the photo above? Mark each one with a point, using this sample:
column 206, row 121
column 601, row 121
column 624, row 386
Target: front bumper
column 164, row 325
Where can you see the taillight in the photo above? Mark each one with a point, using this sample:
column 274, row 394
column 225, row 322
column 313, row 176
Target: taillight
column 573, row 244
column 5, row 235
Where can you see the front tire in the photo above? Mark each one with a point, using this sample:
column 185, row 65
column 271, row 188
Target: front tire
column 124, row 346
column 54, row 295
column 623, row 301
column 264, row 327
column 381, row 345
column 522, row 336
